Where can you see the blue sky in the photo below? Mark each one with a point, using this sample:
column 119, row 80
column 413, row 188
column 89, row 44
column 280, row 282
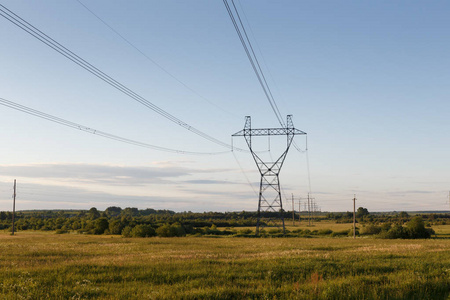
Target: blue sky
column 368, row 82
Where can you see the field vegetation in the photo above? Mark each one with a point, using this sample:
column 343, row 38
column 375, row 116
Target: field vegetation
column 99, row 255
column 39, row 265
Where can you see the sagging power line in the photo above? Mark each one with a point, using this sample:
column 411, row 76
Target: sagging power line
column 248, row 48
column 42, row 37
column 67, row 123
column 152, row 60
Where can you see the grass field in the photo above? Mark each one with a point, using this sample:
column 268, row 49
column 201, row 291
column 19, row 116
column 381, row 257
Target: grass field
column 46, row 265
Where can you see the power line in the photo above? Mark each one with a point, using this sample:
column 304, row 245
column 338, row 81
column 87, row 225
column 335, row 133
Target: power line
column 151, row 60
column 258, row 47
column 30, row 29
column 253, row 59
column 258, row 71
column 67, row 123
column 265, row 86
column 245, row 175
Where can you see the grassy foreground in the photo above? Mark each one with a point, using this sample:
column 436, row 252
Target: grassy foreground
column 45, row 265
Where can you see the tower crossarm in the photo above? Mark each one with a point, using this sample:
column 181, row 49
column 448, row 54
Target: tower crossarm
column 269, row 131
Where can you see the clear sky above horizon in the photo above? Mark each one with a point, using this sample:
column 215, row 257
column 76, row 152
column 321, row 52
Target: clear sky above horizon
column 368, row 82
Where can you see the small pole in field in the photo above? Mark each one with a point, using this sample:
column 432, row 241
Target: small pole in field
column 309, row 212
column 299, row 210
column 14, row 206
column 293, row 211
column 354, row 216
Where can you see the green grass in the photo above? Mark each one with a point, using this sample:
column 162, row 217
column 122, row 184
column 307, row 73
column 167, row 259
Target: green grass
column 42, row 265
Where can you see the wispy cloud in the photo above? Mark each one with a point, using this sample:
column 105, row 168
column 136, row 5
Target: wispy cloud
column 35, row 196
column 93, row 172
column 86, row 185
column 107, row 174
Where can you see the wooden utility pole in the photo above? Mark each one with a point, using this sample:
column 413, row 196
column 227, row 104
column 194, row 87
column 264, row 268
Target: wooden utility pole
column 309, row 212
column 293, row 211
column 311, row 206
column 354, row 216
column 299, row 210
column 14, row 206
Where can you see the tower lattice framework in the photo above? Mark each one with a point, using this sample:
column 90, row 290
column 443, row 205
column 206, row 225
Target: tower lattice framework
column 269, row 189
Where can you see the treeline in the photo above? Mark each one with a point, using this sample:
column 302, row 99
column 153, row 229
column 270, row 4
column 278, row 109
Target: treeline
column 397, row 218
column 129, row 222
column 133, row 222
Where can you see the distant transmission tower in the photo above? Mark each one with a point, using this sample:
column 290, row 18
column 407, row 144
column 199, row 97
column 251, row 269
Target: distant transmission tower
column 269, row 187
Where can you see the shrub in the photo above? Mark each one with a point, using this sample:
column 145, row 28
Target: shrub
column 396, row 232
column 143, row 231
column 385, row 226
column 370, row 230
column 416, row 229
column 170, row 230
column 350, row 232
column 246, row 231
column 101, row 224
column 126, row 232
column 116, row 227
column 273, row 231
column 325, row 231
column 340, row 233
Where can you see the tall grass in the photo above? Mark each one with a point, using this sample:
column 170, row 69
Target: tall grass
column 38, row 266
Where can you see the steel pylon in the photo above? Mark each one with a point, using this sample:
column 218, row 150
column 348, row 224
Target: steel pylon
column 269, row 188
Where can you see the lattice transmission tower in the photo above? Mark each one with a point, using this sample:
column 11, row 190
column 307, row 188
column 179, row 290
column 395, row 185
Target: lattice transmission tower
column 269, row 188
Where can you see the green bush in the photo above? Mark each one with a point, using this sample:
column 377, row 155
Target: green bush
column 101, row 224
column 370, row 230
column 396, row 232
column 325, row 231
column 126, row 232
column 143, row 231
column 170, row 230
column 340, row 233
column 245, row 231
column 416, row 229
column 116, row 227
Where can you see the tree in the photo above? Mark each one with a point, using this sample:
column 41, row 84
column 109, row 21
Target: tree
column 361, row 212
column 130, row 211
column 170, row 230
column 101, row 225
column 416, row 228
column 126, row 232
column 396, row 232
column 116, row 227
column 403, row 215
column 93, row 213
column 143, row 231
column 113, row 211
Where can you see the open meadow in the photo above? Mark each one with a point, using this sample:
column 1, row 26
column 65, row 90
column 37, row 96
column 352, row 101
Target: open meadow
column 38, row 265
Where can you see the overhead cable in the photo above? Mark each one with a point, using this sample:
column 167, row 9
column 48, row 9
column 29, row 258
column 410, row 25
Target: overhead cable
column 252, row 58
column 67, row 123
column 30, row 29
column 152, row 60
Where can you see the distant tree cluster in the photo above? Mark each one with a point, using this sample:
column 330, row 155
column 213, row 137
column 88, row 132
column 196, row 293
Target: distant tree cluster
column 133, row 222
column 129, row 222
column 414, row 229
